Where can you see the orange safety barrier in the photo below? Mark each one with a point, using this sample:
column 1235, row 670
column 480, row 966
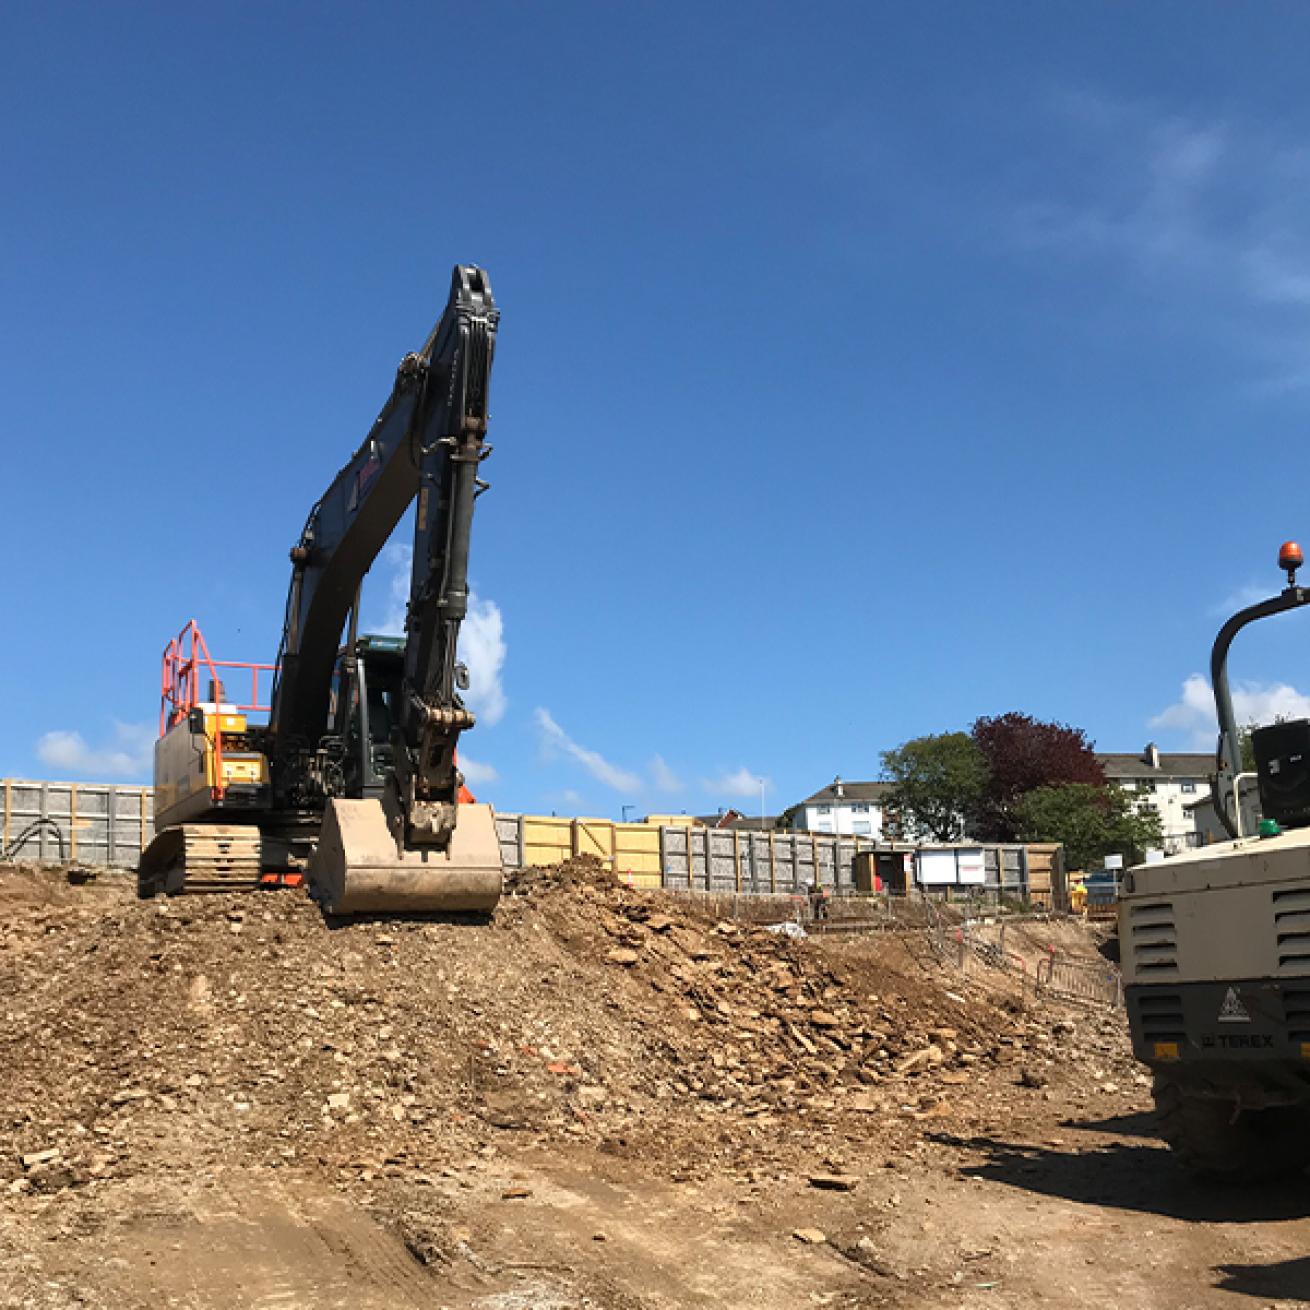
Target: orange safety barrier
column 179, row 690
column 184, row 659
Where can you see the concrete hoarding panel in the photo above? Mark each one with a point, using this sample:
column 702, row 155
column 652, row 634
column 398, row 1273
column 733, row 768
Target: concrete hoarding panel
column 108, row 824
column 99, row 824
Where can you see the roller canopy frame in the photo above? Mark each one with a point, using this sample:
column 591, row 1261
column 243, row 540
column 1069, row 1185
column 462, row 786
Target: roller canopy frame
column 1228, row 751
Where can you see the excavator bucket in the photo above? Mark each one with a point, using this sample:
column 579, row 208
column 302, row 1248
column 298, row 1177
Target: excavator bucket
column 356, row 867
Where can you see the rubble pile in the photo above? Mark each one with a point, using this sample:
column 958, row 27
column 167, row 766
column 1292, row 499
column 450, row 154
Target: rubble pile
column 140, row 1036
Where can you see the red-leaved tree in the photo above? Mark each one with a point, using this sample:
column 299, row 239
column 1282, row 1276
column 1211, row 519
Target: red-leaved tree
column 1022, row 754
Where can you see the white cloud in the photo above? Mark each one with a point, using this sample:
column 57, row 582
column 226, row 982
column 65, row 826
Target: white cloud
column 739, row 782
column 1253, row 702
column 1247, row 594
column 482, row 648
column 664, row 777
column 555, row 739
column 1212, row 205
column 398, row 558
column 477, row 774
column 129, row 755
column 481, row 637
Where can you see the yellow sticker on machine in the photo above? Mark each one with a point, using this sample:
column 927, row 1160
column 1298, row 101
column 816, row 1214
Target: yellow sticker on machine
column 226, row 722
column 1169, row 1051
column 1305, row 1050
column 246, row 768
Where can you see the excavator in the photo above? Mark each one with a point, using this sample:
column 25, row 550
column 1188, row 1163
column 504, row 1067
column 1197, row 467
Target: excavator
column 352, row 784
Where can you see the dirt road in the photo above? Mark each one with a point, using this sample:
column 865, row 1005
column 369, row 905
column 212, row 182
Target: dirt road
column 233, row 1104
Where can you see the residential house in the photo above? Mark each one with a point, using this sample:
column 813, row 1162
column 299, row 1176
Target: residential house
column 849, row 808
column 1170, row 782
column 1205, row 818
column 731, row 818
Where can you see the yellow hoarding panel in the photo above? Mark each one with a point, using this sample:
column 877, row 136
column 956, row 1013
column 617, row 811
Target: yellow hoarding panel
column 637, row 854
column 546, row 840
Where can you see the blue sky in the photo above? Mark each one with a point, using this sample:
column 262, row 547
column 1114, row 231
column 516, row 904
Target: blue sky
column 863, row 368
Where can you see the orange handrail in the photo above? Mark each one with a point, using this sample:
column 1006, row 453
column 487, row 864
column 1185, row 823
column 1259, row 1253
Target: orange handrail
column 184, row 657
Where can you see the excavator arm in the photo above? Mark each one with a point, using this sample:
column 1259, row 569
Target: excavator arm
column 432, row 715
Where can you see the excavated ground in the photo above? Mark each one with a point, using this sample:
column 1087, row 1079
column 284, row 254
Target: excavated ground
column 597, row 1099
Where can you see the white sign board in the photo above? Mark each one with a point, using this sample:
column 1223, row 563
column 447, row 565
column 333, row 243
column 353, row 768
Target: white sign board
column 1114, row 861
column 937, row 868
column 971, row 867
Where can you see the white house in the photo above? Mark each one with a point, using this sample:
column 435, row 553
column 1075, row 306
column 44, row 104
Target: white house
column 1170, row 783
column 849, row 808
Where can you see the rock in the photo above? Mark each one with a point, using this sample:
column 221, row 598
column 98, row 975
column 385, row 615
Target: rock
column 35, row 1159
column 915, row 1061
column 622, row 955
column 811, row 1236
column 955, row 1078
column 834, row 1182
column 55, row 1177
column 1032, row 1078
column 338, row 1101
column 516, row 1194
column 824, row 1019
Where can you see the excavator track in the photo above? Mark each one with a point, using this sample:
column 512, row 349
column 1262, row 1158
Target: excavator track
column 201, row 857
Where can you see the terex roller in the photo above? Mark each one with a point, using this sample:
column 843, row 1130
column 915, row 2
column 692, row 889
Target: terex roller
column 353, row 780
column 1216, row 950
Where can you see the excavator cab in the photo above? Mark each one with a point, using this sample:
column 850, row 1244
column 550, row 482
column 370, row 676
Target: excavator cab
column 365, row 703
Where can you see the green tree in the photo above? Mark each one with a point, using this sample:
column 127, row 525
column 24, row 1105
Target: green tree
column 1247, row 745
column 1090, row 821
column 936, row 781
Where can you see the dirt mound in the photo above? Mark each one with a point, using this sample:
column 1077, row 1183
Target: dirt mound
column 147, row 1037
